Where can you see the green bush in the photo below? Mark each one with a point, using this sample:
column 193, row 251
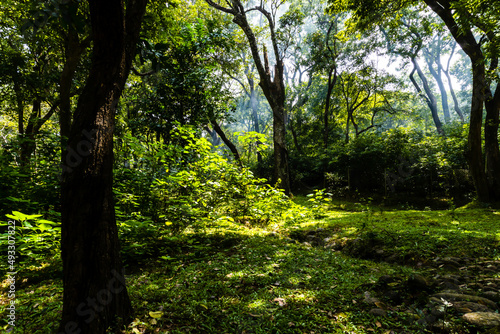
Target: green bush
column 186, row 183
column 35, row 241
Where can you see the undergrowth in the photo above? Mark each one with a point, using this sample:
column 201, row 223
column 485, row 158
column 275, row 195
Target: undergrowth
column 232, row 277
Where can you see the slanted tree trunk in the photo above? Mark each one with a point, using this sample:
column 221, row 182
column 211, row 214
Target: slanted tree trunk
column 95, row 295
column 486, row 175
column 226, row 141
column 434, row 56
column 272, row 84
column 429, row 97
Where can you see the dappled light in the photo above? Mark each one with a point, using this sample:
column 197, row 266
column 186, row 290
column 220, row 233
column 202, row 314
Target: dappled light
column 250, row 167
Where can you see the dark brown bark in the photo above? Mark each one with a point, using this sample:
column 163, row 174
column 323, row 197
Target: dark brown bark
column 226, row 141
column 492, row 146
column 73, row 52
column 95, row 295
column 465, row 38
column 272, row 85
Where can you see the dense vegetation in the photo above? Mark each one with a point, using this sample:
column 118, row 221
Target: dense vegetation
column 265, row 166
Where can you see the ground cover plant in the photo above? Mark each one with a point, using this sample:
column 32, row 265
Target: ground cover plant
column 344, row 268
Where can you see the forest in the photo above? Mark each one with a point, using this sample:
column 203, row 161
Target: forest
column 228, row 166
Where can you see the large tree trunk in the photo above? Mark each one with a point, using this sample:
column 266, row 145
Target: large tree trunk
column 272, row 85
column 73, row 52
column 491, row 145
column 281, row 168
column 465, row 38
column 95, row 295
column 474, row 151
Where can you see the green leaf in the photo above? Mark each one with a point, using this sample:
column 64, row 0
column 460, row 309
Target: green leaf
column 156, row 315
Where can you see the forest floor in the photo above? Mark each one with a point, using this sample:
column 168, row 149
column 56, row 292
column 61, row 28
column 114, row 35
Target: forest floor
column 354, row 268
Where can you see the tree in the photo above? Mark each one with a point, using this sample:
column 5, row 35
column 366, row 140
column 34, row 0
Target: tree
column 412, row 30
column 460, row 18
column 272, row 83
column 473, row 25
column 95, row 295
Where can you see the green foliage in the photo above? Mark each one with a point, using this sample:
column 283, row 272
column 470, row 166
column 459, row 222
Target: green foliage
column 36, row 240
column 319, row 199
column 237, row 278
column 168, row 188
column 393, row 162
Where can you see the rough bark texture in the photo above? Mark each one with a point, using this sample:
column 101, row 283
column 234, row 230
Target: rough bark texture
column 73, row 52
column 484, row 181
column 95, row 296
column 272, row 85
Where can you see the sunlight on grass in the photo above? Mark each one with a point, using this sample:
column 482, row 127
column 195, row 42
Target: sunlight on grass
column 258, row 304
column 237, row 277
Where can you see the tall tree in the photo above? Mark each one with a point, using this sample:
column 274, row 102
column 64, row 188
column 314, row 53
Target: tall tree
column 460, row 18
column 95, row 295
column 272, row 83
column 474, row 26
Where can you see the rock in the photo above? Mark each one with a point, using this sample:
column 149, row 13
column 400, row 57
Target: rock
column 385, row 279
column 467, row 307
column 449, row 286
column 394, row 296
column 483, row 319
column 459, row 297
column 369, row 299
column 394, row 258
column 427, row 320
column 378, row 312
column 492, row 295
column 418, row 283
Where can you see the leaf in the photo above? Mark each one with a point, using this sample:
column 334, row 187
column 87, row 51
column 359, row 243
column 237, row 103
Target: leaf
column 21, row 216
column 156, row 315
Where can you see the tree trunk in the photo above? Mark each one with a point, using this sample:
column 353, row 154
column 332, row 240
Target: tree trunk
column 465, row 38
column 474, row 151
column 456, row 105
column 95, row 295
column 431, row 57
column 429, row 97
column 226, row 141
column 281, row 168
column 272, row 85
column 491, row 145
column 73, row 52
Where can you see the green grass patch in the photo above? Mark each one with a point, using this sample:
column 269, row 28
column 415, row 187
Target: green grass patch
column 282, row 278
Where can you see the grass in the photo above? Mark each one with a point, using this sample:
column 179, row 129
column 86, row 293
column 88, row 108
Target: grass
column 276, row 279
